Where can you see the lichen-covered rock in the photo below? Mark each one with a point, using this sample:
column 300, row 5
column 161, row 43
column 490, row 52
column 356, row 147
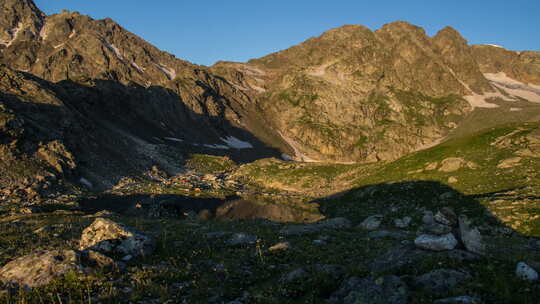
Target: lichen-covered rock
column 372, row 223
column 436, row 242
column 106, row 236
column 452, row 164
column 471, row 237
column 41, row 268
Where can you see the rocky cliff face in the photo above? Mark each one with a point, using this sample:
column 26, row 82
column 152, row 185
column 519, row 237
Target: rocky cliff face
column 356, row 95
column 127, row 96
column 350, row 95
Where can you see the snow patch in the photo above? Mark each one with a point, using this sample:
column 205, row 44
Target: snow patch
column 478, row 100
column 320, row 70
column 174, row 139
column 258, row 89
column 14, row 32
column 286, row 157
column 170, row 73
column 57, row 46
column 220, row 147
column 495, row 45
column 236, row 143
column 114, row 49
column 138, row 68
column 253, row 71
column 73, row 33
column 514, row 87
column 44, row 33
column 515, row 109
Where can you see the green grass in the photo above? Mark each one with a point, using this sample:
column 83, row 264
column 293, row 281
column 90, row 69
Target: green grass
column 209, row 164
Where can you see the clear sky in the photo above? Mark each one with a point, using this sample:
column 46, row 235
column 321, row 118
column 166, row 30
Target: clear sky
column 204, row 32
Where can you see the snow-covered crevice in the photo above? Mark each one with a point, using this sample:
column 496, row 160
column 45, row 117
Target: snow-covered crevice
column 253, row 71
column 495, row 45
column 258, row 89
column 44, row 32
column 170, row 73
column 219, row 147
column 513, row 87
column 58, row 46
column 13, row 33
column 174, row 139
column 72, row 34
column 236, row 143
column 478, row 100
column 114, row 49
column 137, row 67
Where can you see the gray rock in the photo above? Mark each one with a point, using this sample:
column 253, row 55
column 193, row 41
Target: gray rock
column 335, row 271
column 471, row 237
column 452, row 164
column 436, row 242
column 526, row 272
column 106, row 236
column 428, row 219
column 241, row 239
column 458, row 300
column 403, row 223
column 441, row 280
column 40, row 268
column 436, row 228
column 372, row 223
column 446, row 216
column 383, row 290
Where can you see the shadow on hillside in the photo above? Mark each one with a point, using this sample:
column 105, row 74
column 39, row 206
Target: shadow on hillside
column 179, row 206
column 117, row 130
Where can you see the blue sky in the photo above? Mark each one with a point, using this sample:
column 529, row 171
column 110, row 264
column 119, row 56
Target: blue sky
column 204, row 32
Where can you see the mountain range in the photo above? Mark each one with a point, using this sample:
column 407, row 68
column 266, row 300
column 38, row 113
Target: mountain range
column 91, row 100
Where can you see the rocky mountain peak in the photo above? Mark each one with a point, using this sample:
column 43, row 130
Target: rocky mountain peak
column 20, row 18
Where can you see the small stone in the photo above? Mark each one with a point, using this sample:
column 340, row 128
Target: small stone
column 436, row 242
column 372, row 223
column 526, row 272
column 127, row 258
column 452, row 164
column 446, row 216
column 436, row 228
column 280, row 246
column 428, row 219
column 403, row 223
column 509, row 163
column 452, row 180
